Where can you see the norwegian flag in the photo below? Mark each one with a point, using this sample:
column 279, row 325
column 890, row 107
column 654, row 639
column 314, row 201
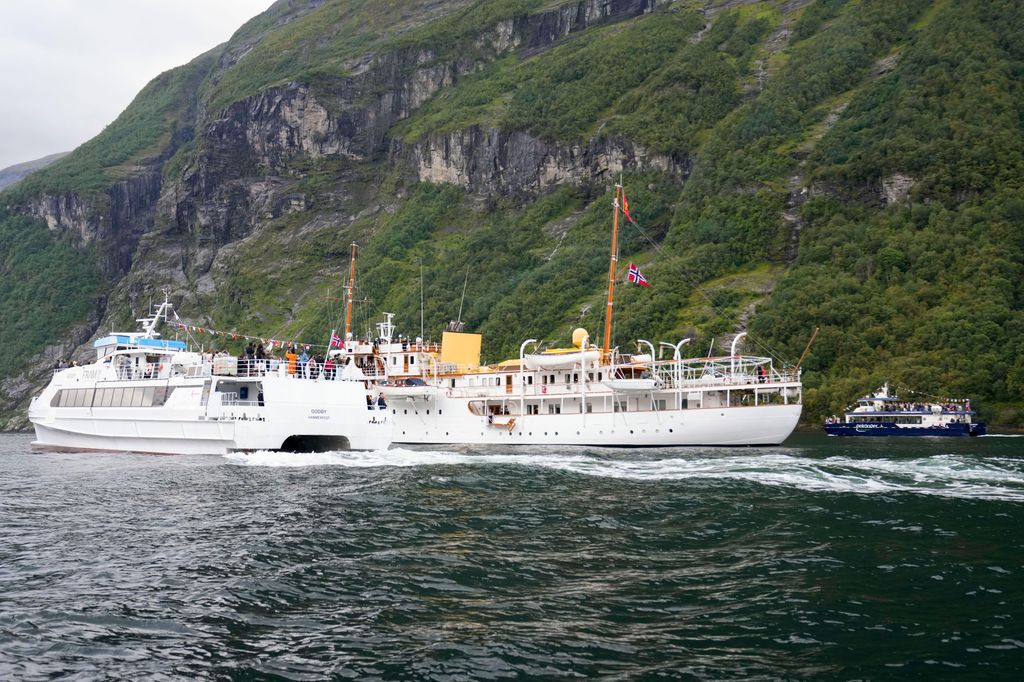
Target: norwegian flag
column 636, row 277
column 335, row 340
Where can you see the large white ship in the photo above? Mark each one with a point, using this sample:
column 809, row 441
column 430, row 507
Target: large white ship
column 583, row 395
column 147, row 394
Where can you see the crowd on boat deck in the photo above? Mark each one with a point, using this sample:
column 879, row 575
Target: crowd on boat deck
column 921, row 407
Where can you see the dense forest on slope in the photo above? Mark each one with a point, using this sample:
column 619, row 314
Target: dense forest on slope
column 853, row 165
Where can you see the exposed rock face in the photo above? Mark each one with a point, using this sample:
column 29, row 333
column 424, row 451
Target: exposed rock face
column 495, row 161
column 115, row 228
column 350, row 116
column 896, row 187
column 540, row 30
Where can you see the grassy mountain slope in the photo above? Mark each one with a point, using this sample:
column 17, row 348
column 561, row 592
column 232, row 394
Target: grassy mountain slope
column 849, row 164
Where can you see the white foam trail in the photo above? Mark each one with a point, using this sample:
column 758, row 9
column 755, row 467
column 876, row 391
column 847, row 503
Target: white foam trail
column 942, row 475
column 351, row 458
column 1002, row 435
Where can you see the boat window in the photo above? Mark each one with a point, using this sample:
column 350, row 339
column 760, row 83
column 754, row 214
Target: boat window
column 529, row 379
column 590, row 408
column 554, row 409
column 453, row 383
column 89, row 394
column 659, row 404
column 115, row 400
column 551, row 379
column 147, row 396
column 575, row 378
column 544, row 379
column 412, row 359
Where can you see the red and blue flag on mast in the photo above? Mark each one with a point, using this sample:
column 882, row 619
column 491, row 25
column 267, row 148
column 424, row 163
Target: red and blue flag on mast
column 636, row 277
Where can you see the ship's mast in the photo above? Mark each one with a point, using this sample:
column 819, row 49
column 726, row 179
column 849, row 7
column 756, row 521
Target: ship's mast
column 351, row 286
column 611, row 274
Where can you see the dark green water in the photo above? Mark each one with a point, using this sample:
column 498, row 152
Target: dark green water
column 825, row 559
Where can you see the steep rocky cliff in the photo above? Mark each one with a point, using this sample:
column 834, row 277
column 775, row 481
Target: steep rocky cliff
column 490, row 134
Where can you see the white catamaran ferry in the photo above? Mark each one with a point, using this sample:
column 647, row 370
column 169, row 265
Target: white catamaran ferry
column 583, row 395
column 147, row 394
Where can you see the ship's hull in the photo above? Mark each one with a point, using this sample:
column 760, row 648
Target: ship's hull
column 893, row 429
column 726, row 426
column 295, row 414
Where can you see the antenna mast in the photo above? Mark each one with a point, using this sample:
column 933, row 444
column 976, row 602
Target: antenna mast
column 611, row 273
column 351, row 286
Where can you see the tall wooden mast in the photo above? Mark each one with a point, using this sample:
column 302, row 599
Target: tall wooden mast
column 611, row 274
column 351, row 286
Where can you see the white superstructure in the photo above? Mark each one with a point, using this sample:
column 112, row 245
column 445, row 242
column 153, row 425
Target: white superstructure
column 436, row 396
column 146, row 394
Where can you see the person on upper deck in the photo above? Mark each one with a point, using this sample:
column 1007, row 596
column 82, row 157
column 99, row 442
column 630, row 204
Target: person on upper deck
column 293, row 360
column 304, row 364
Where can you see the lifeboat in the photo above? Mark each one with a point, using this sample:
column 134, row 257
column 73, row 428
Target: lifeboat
column 631, row 385
column 412, row 388
column 562, row 358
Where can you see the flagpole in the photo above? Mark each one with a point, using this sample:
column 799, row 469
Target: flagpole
column 351, row 286
column 611, row 275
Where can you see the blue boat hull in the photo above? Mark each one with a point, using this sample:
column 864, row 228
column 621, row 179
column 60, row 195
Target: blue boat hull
column 893, row 429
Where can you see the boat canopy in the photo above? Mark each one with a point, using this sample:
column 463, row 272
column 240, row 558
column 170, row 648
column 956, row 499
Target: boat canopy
column 138, row 341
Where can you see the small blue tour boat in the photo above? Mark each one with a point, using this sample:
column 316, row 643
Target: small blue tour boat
column 885, row 414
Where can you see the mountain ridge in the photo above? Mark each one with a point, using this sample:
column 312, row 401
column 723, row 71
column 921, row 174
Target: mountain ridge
column 489, row 134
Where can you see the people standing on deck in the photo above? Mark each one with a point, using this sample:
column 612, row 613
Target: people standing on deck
column 329, row 368
column 261, row 358
column 293, row 361
column 304, row 364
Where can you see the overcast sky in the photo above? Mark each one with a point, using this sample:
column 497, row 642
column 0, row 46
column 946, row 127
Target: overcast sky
column 69, row 67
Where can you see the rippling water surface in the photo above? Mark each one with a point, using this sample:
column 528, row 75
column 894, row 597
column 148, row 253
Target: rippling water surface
column 833, row 559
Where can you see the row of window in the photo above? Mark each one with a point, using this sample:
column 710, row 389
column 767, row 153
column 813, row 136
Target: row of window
column 545, row 379
column 886, row 420
column 130, row 396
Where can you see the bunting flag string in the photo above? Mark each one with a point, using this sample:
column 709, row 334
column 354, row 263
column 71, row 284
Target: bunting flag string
column 270, row 343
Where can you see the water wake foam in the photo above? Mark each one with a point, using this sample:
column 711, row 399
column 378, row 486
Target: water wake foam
column 955, row 476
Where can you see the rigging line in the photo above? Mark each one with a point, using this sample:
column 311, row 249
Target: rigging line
column 700, row 290
column 464, row 285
